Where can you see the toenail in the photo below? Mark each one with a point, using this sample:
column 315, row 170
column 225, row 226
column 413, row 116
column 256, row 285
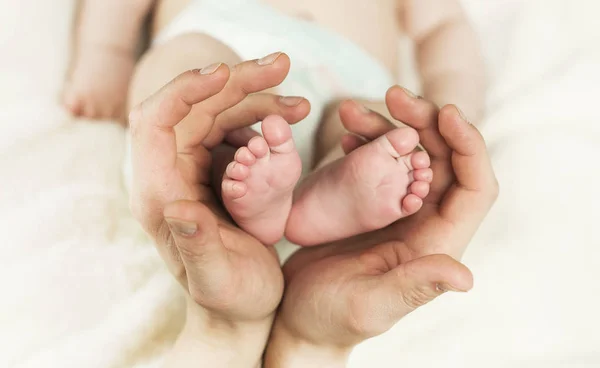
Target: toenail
column 182, row 228
column 269, row 59
column 410, row 94
column 290, row 101
column 210, row 69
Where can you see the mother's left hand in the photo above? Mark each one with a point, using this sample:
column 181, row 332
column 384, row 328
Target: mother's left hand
column 233, row 282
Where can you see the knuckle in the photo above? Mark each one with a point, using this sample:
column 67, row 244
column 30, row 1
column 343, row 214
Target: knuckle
column 418, row 296
column 356, row 321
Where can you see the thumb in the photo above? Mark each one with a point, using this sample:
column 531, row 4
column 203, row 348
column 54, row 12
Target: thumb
column 197, row 239
column 415, row 283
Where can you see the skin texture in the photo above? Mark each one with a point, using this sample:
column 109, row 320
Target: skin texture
column 376, row 184
column 233, row 282
column 223, row 269
column 361, row 287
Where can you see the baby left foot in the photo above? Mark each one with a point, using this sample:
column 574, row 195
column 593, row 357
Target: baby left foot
column 370, row 188
column 258, row 185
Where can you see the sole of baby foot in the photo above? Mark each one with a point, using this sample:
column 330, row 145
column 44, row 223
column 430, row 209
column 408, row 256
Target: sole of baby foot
column 375, row 185
column 258, row 184
column 98, row 84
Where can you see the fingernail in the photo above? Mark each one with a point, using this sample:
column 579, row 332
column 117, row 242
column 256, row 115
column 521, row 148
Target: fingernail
column 182, row 228
column 410, row 93
column 269, row 59
column 363, row 109
column 462, row 115
column 441, row 287
column 290, row 101
column 210, row 68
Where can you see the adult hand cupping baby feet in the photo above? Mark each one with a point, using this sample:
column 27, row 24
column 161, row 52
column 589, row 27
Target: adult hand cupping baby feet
column 232, row 281
column 359, row 288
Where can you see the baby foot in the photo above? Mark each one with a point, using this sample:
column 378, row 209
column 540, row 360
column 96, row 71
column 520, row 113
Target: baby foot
column 372, row 187
column 258, row 185
column 99, row 83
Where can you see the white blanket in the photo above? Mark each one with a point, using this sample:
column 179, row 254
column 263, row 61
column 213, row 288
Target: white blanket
column 82, row 286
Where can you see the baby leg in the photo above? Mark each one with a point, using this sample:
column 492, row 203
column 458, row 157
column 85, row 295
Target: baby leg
column 107, row 33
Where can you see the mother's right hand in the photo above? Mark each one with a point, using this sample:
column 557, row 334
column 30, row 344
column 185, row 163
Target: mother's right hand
column 229, row 276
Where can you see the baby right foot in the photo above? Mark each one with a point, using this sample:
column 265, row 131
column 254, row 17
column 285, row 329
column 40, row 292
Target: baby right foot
column 372, row 187
column 258, row 185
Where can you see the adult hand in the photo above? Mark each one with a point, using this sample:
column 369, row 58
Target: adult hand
column 343, row 293
column 233, row 282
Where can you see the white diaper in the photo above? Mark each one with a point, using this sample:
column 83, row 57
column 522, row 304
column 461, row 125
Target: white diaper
column 324, row 65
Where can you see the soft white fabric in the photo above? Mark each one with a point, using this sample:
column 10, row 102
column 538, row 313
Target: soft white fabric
column 82, row 286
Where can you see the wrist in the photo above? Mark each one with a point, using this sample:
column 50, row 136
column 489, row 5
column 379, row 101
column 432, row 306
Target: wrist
column 286, row 350
column 217, row 342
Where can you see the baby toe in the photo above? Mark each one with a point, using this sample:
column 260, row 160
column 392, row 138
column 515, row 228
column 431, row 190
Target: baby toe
column 400, row 141
column 425, row 175
column 276, row 130
column 419, row 188
column 420, row 160
column 411, row 204
column 237, row 171
column 233, row 189
column 245, row 157
column 258, row 147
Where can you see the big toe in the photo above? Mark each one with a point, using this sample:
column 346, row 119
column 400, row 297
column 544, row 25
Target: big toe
column 278, row 134
column 400, row 141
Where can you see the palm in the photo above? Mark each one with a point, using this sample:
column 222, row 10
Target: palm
column 339, row 278
column 358, row 288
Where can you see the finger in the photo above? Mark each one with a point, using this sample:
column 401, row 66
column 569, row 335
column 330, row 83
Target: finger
column 477, row 187
column 350, row 142
column 241, row 137
column 196, row 236
column 246, row 78
column 256, row 107
column 416, row 283
column 362, row 121
column 153, row 141
column 421, row 115
column 249, row 77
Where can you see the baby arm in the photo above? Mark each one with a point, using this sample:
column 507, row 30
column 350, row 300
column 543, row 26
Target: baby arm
column 448, row 55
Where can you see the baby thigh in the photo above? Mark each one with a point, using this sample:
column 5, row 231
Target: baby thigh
column 165, row 61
